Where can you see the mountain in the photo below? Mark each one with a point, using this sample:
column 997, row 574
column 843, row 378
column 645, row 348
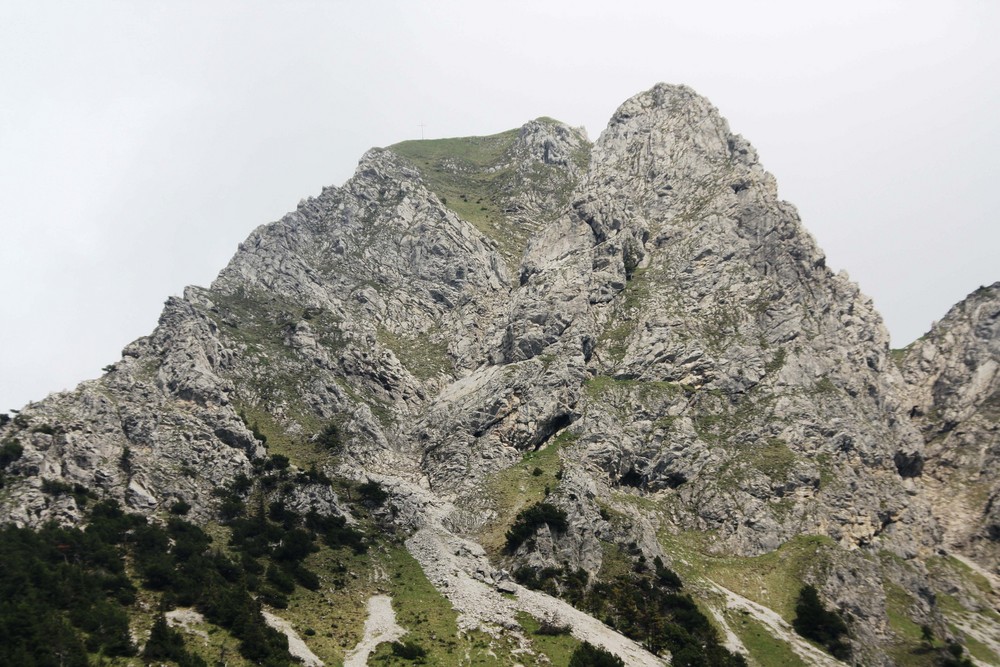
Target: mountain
column 607, row 389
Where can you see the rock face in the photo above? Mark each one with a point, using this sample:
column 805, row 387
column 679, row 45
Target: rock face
column 953, row 374
column 638, row 332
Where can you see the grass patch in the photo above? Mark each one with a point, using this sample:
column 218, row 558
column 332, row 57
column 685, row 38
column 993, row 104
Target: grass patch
column 557, row 648
column 518, row 487
column 969, row 575
column 336, row 612
column 600, row 386
column 980, row 651
column 773, row 579
column 627, row 397
column 466, row 174
column 899, row 355
column 615, row 337
column 897, row 605
column 427, row 615
column 765, row 649
column 380, row 408
column 774, row 459
column 476, row 177
column 644, row 503
column 299, row 451
column 421, row 354
column 614, row 562
column 215, row 645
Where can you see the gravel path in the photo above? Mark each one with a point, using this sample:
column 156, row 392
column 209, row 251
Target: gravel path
column 732, row 640
column 296, row 646
column 380, row 626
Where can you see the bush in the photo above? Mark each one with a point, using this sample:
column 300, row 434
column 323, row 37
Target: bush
column 335, row 532
column 588, row 655
column 330, row 438
column 304, row 576
column 180, row 508
column 551, row 629
column 813, row 621
column 665, row 576
column 953, row 655
column 408, row 650
column 257, row 433
column 295, row 545
column 373, row 493
column 55, row 487
column 529, row 520
column 10, row 451
column 277, row 462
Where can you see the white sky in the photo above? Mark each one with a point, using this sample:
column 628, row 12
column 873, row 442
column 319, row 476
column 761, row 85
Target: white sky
column 140, row 142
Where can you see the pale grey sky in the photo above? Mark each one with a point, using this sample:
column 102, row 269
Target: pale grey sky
column 140, row 142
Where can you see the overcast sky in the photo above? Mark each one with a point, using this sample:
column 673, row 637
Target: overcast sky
column 140, row 142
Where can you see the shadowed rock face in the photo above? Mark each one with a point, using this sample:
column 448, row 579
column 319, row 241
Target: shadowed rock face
column 953, row 377
column 643, row 310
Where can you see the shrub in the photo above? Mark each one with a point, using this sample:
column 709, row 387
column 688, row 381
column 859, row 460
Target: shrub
column 180, row 508
column 552, row 629
column 408, row 650
column 665, row 576
column 373, row 493
column 953, row 655
column 588, row 655
column 125, row 461
column 529, row 520
column 335, row 531
column 55, row 487
column 231, row 508
column 277, row 462
column 10, row 451
column 813, row 621
column 257, row 433
column 330, row 438
column 281, row 580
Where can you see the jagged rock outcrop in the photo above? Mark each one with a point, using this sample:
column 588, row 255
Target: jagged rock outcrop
column 953, row 374
column 638, row 332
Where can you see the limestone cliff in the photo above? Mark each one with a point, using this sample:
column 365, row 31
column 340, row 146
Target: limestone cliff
column 953, row 374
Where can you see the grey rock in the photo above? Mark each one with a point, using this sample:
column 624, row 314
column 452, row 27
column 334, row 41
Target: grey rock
column 953, row 377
